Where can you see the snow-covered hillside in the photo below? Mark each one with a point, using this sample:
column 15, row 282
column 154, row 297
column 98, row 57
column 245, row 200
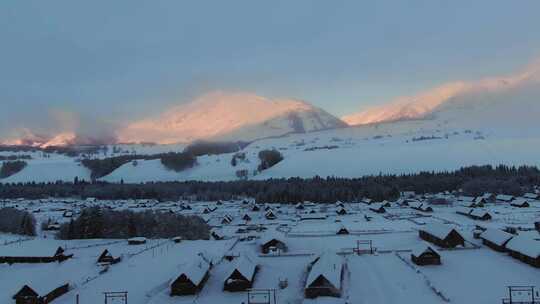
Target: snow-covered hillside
column 239, row 116
column 429, row 102
column 494, row 123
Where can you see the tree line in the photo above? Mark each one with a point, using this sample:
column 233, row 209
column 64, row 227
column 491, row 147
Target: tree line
column 176, row 161
column 473, row 181
column 99, row 223
column 15, row 157
column 9, row 168
column 100, row 167
column 17, row 221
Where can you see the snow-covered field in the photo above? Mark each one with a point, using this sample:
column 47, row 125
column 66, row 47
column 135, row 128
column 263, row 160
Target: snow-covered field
column 404, row 147
column 475, row 274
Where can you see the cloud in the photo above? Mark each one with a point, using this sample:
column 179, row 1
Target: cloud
column 60, row 128
column 424, row 103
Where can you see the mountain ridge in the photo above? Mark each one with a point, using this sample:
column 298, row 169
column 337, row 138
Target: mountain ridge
column 236, row 116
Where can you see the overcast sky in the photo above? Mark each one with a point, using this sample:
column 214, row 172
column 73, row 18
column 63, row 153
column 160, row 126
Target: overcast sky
column 115, row 61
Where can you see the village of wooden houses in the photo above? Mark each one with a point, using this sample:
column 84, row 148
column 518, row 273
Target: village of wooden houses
column 440, row 248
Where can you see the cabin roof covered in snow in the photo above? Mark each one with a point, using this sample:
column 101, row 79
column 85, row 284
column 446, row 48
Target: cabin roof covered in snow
column 520, row 201
column 423, row 247
column 479, row 212
column 195, row 271
column 530, row 196
column 479, row 199
column 441, row 231
column 44, row 287
column 504, row 197
column 137, row 239
column 271, row 236
column 465, row 210
column 415, row 204
column 33, row 248
column 525, row 245
column 245, row 266
column 496, row 236
column 329, row 266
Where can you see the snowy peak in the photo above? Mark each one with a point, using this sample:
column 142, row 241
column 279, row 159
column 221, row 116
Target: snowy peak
column 426, row 103
column 409, row 107
column 240, row 116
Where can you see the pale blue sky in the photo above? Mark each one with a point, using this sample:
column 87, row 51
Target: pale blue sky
column 123, row 60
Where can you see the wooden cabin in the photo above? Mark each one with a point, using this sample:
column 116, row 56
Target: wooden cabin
column 367, row 201
column 531, row 196
column 27, row 295
column 342, row 230
column 272, row 243
column 270, row 215
column 402, row 202
column 325, row 276
column 58, row 256
column 496, row 239
column 489, row 197
column 420, row 206
column 468, row 204
column 241, row 276
column 480, row 201
column 137, row 241
column 107, row 258
column 464, row 210
column 191, row 279
column 525, row 249
column 426, row 208
column 386, row 204
column 425, row 255
column 520, row 203
column 341, row 211
column 377, row 208
column 467, row 201
column 441, row 235
column 503, row 198
column 216, row 235
column 481, row 215
column 227, row 219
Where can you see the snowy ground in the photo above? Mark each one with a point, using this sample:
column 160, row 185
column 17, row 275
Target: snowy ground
column 473, row 275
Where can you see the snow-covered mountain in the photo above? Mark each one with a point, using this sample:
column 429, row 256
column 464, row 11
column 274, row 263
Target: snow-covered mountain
column 428, row 102
column 221, row 116
column 493, row 121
